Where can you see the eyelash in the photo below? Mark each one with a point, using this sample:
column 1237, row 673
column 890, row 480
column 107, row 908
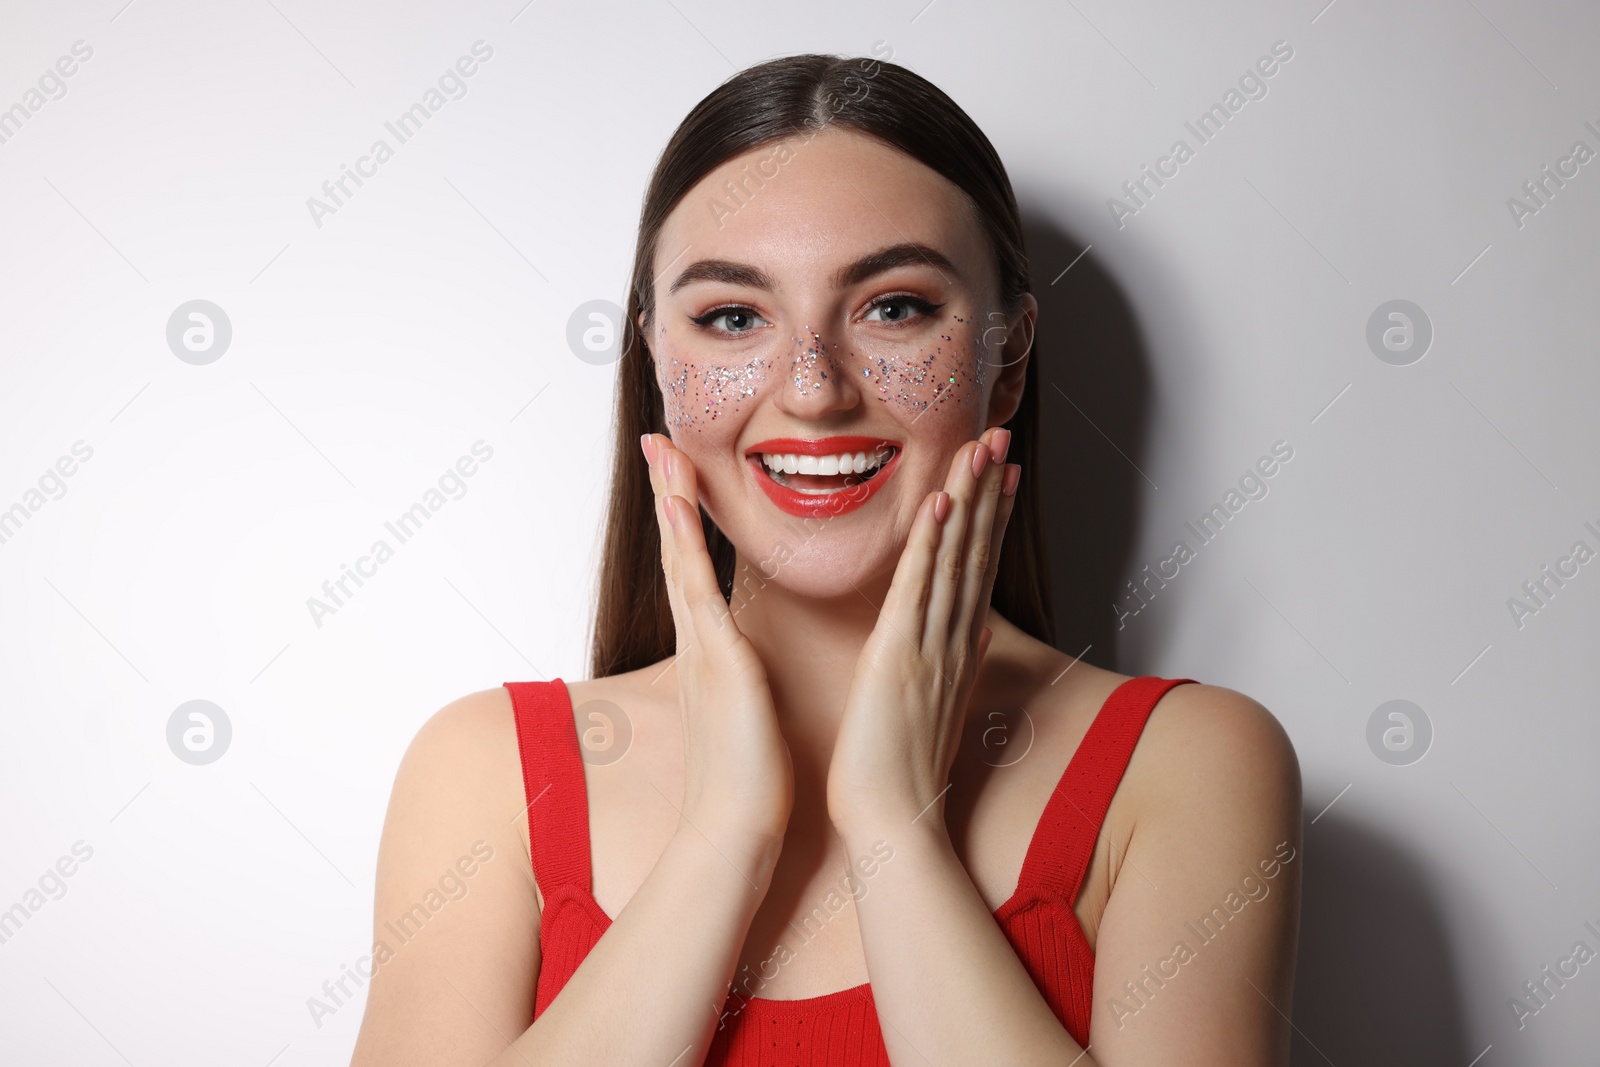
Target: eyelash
column 704, row 321
column 920, row 305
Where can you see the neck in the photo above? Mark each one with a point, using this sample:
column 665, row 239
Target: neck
column 809, row 645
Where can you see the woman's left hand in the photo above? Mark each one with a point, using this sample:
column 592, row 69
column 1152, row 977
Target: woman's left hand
column 907, row 703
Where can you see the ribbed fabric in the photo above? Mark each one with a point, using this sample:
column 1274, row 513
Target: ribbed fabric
column 839, row 1028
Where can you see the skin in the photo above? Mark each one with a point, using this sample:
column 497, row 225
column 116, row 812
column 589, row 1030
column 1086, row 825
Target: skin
column 828, row 707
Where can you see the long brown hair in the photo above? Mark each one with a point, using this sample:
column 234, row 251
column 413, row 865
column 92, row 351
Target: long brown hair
column 797, row 96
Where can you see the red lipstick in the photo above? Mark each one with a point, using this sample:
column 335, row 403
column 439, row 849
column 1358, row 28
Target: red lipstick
column 821, row 505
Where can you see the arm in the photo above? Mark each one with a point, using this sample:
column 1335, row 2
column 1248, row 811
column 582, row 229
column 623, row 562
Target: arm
column 1217, row 797
column 947, row 984
column 1221, row 849
column 460, row 990
column 652, row 988
column 440, row 995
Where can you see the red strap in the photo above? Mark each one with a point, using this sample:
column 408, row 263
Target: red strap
column 1063, row 842
column 552, row 780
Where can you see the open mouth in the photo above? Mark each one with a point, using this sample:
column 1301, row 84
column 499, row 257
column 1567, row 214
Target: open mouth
column 822, row 475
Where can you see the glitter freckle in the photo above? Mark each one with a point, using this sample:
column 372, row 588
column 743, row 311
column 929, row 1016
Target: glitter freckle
column 719, row 388
column 807, row 362
column 715, row 389
column 905, row 381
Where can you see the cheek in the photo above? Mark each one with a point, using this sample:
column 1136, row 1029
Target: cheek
column 946, row 373
column 697, row 393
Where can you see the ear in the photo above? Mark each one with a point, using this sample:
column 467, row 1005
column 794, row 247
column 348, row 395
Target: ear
column 1008, row 360
column 642, row 328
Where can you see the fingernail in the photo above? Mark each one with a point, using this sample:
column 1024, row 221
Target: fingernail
column 666, row 464
column 980, row 460
column 999, row 443
column 644, row 446
column 941, row 506
column 1008, row 483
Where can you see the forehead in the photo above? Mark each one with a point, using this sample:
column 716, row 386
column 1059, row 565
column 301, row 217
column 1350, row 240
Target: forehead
column 799, row 206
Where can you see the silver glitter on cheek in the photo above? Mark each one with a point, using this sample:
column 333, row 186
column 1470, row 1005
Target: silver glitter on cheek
column 675, row 391
column 699, row 393
column 727, row 386
column 953, row 373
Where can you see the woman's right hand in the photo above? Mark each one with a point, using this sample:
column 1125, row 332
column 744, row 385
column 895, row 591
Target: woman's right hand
column 738, row 776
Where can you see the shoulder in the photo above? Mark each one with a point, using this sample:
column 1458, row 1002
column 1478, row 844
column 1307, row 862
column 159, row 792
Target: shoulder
column 1214, row 757
column 1213, row 844
column 461, row 772
column 466, row 737
column 1212, row 731
column 1197, row 736
column 452, row 888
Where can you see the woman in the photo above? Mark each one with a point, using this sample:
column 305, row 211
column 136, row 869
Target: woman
column 852, row 751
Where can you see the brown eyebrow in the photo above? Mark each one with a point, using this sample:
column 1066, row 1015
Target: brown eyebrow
column 885, row 259
column 908, row 253
column 722, row 270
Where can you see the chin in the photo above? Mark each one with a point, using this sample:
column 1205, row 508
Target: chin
column 819, row 583
column 804, row 560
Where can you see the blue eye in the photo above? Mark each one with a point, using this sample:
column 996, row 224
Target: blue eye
column 900, row 308
column 738, row 319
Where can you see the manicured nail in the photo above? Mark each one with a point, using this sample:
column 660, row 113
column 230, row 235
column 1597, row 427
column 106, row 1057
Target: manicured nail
column 980, row 460
column 666, row 464
column 1008, row 483
column 941, row 506
column 999, row 443
column 644, row 446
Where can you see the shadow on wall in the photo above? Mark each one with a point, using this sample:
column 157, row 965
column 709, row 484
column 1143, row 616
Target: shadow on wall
column 1094, row 399
column 1376, row 982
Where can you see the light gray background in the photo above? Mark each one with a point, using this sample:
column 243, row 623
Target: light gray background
column 431, row 312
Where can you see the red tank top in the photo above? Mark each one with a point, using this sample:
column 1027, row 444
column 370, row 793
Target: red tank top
column 839, row 1028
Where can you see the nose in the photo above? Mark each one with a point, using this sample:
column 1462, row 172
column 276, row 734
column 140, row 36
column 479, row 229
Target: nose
column 818, row 383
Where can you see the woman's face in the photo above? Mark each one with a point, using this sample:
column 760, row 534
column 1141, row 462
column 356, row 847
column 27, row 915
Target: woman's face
column 822, row 289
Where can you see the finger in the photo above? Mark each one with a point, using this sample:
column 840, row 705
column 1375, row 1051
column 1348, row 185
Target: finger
column 906, row 604
column 981, row 554
column 985, row 639
column 713, row 623
column 701, row 594
column 1011, row 472
column 961, row 484
column 671, row 568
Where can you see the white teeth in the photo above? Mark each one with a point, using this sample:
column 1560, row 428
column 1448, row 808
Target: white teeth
column 842, row 463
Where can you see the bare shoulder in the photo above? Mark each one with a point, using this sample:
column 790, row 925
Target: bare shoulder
column 1201, row 743
column 469, row 721
column 1214, row 785
column 461, row 775
column 454, row 896
column 1207, row 742
column 466, row 753
column 458, row 788
column 1214, row 794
